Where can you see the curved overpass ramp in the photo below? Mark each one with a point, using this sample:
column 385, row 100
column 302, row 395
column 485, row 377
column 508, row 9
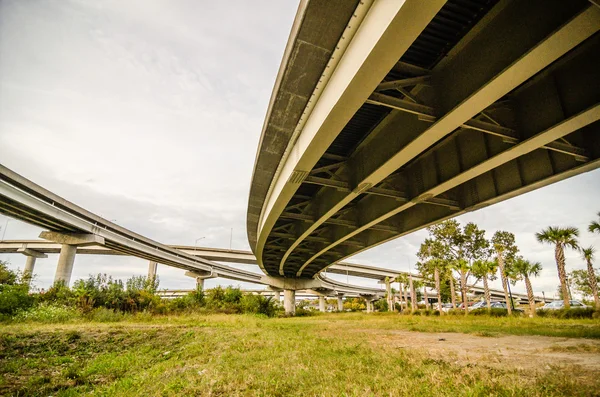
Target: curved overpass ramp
column 387, row 117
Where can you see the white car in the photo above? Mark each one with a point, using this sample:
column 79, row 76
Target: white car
column 557, row 305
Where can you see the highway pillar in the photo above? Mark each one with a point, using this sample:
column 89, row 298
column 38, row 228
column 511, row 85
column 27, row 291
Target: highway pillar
column 70, row 242
column 66, row 259
column 289, row 301
column 152, row 266
column 200, row 283
column 369, row 306
column 277, row 296
column 28, row 270
column 340, row 303
column 322, row 304
column 31, row 255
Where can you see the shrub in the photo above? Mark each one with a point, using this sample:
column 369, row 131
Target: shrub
column 59, row 294
column 48, row 313
column 568, row 313
column 104, row 315
column 381, row 305
column 301, row 312
column 14, row 298
column 258, row 304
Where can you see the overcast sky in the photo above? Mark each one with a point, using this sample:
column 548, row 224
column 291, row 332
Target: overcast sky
column 149, row 113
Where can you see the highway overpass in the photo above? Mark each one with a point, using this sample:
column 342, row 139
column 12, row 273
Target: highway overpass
column 74, row 228
column 389, row 116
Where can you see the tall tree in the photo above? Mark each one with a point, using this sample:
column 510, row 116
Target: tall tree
column 523, row 269
column 485, row 270
column 561, row 238
column 432, row 253
column 413, row 295
column 594, row 226
column 450, row 237
column 588, row 257
column 402, row 280
column 505, row 249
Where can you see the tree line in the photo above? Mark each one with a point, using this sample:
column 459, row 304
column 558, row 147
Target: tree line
column 456, row 257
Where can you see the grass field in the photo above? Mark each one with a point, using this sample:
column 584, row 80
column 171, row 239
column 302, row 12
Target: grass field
column 347, row 354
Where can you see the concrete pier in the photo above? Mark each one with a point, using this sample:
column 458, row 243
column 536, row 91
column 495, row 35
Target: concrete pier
column 29, row 266
column 152, row 266
column 322, row 304
column 289, row 301
column 340, row 303
column 64, row 268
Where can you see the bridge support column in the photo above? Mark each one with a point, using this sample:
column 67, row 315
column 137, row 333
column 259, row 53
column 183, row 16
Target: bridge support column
column 200, row 283
column 289, row 301
column 340, row 303
column 152, row 266
column 29, row 266
column 388, row 294
column 277, row 297
column 369, row 306
column 31, row 255
column 64, row 268
column 322, row 304
column 70, row 242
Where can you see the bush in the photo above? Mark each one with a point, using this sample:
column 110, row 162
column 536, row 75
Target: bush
column 59, row 294
column 48, row 313
column 381, row 305
column 14, row 298
column 258, row 304
column 569, row 313
column 301, row 312
column 104, row 315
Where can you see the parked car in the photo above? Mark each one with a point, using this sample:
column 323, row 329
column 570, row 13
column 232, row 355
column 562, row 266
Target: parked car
column 446, row 307
column 494, row 305
column 557, row 305
column 478, row 305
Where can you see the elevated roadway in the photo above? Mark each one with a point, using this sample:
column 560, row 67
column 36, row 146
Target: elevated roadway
column 389, row 116
column 76, row 229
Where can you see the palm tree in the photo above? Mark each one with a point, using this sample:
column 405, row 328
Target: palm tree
column 485, row 270
column 402, row 280
column 561, row 238
column 413, row 295
column 505, row 248
column 594, row 226
column 588, row 256
column 524, row 269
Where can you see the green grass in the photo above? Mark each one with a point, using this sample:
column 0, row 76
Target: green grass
column 239, row 355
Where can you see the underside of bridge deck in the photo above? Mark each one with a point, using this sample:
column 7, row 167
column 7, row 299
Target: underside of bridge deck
column 491, row 100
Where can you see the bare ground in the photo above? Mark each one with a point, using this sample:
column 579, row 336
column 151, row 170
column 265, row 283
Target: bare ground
column 522, row 353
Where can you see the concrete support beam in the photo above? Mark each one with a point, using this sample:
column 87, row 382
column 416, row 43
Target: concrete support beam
column 322, row 304
column 64, row 268
column 77, row 239
column 289, row 301
column 340, row 303
column 30, row 252
column 152, row 269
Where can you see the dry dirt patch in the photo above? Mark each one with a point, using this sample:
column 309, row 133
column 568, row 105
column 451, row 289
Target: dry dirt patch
column 538, row 353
